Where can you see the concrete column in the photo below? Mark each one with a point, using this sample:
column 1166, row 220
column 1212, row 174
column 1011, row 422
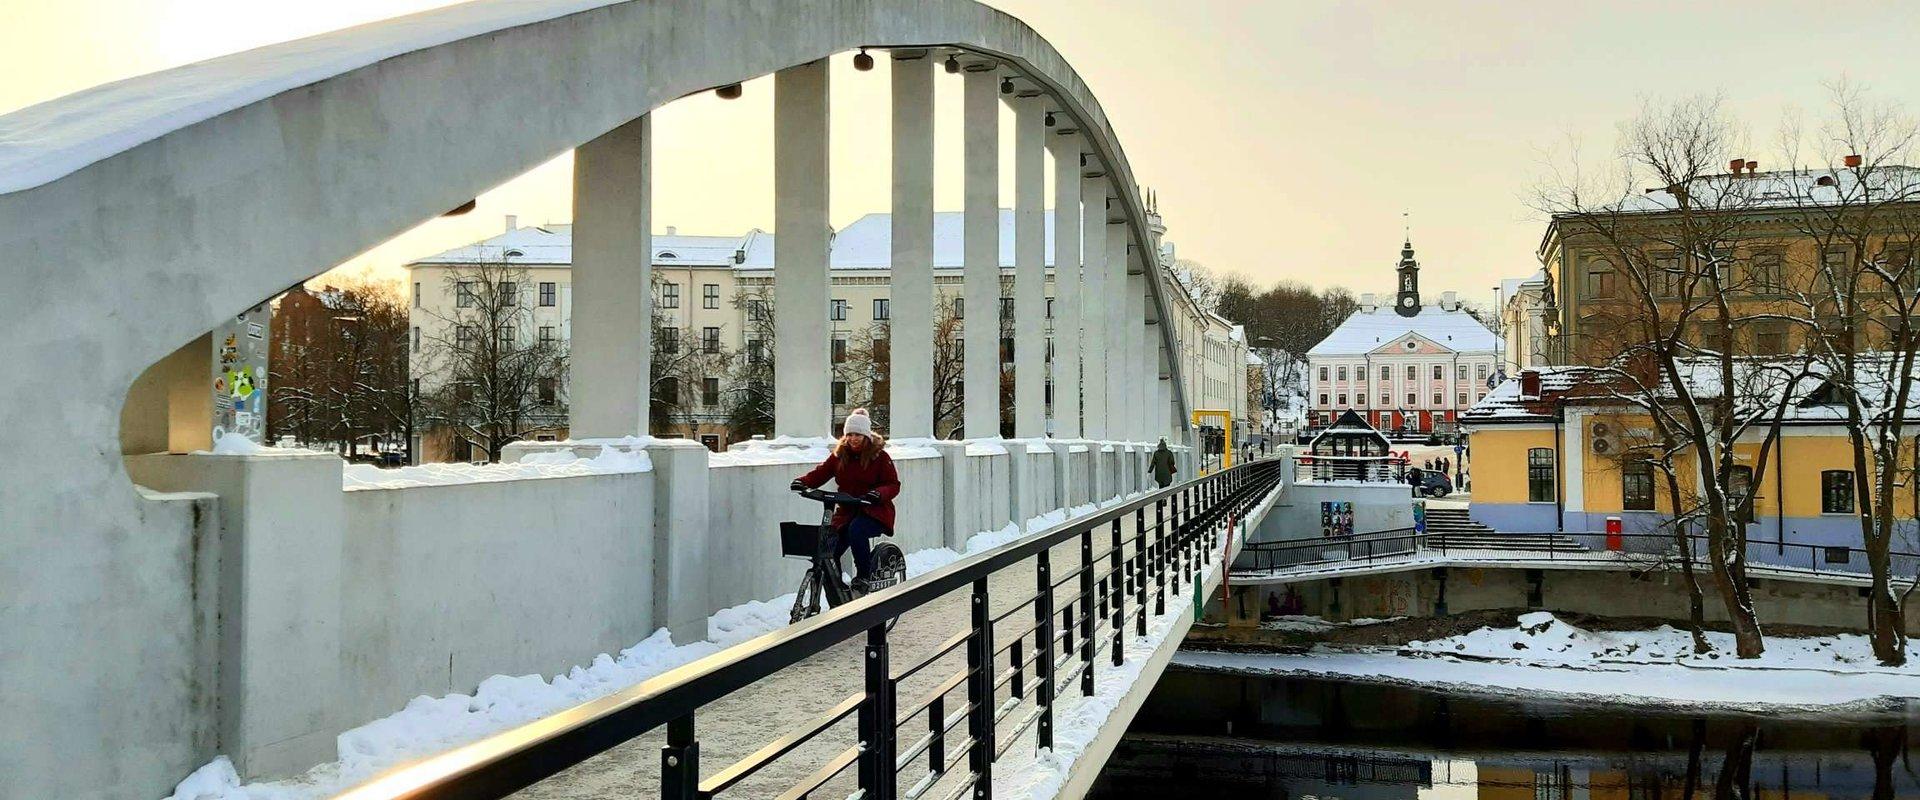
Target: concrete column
column 1093, row 305
column 981, row 255
column 1146, row 368
column 1029, row 270
column 1066, row 286
column 612, row 324
column 800, row 175
column 682, row 564
column 911, row 330
column 1119, row 331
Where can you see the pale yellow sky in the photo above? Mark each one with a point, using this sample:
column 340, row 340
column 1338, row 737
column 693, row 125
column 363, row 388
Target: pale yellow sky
column 1284, row 138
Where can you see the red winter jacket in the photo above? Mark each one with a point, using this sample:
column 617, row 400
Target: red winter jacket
column 857, row 479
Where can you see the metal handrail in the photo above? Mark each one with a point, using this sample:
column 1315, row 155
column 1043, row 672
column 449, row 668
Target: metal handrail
column 509, row 761
column 1265, row 554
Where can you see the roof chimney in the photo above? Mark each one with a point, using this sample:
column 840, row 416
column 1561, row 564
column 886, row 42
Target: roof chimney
column 1735, row 165
column 1753, row 167
column 1450, row 301
column 513, row 222
column 1853, row 161
column 1366, row 302
column 1530, row 383
column 672, row 231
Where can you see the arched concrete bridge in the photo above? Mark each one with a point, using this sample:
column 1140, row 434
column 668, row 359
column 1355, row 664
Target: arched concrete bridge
column 244, row 603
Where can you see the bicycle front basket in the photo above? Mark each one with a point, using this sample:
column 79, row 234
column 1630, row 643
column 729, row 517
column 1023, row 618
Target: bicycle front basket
column 799, row 539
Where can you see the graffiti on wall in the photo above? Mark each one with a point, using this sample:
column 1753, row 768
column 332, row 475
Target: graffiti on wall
column 239, row 380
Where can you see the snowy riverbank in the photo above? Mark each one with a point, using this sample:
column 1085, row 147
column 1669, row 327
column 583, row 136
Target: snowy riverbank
column 1651, row 667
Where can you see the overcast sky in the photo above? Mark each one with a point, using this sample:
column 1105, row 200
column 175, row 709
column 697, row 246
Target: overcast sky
column 1285, row 139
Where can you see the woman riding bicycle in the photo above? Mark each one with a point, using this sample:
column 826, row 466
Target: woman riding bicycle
column 859, row 466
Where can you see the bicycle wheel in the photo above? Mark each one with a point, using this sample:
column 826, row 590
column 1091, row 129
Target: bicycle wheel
column 800, row 611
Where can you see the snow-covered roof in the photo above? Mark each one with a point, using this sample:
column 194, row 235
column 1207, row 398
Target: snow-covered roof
column 1366, row 331
column 1505, row 403
column 1761, row 381
column 1512, row 286
column 1785, row 189
column 867, row 243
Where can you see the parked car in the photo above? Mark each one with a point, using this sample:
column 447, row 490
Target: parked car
column 1434, row 483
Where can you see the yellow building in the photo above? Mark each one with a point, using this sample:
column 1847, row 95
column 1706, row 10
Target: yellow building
column 1556, row 450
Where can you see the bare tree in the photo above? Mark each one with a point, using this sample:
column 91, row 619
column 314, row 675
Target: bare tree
column 1656, row 275
column 1857, row 306
column 750, row 380
column 493, row 378
column 683, row 359
column 339, row 367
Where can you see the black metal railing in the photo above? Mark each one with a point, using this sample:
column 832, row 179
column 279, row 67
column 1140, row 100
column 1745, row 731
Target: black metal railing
column 1650, row 550
column 1174, row 536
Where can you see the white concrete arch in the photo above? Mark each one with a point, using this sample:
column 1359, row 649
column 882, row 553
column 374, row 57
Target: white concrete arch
column 136, row 216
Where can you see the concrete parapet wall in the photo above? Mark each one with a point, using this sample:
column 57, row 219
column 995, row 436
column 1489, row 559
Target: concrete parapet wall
column 1377, row 507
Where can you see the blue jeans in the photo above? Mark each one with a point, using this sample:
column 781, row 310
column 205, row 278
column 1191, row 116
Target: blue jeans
column 857, row 534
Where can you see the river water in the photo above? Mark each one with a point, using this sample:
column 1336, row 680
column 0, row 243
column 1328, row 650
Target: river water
column 1206, row 735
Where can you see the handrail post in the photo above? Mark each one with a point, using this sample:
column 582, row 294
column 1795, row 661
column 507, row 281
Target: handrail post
column 680, row 761
column 980, row 695
column 1043, row 615
column 876, row 720
column 1159, row 563
column 937, row 733
column 1086, row 612
column 1118, row 564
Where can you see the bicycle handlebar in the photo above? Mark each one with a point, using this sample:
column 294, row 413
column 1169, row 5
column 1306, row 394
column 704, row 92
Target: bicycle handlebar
column 841, row 498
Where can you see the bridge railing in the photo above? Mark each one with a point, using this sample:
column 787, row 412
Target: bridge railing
column 1152, row 544
column 1646, row 549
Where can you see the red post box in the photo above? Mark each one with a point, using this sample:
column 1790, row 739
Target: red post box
column 1615, row 541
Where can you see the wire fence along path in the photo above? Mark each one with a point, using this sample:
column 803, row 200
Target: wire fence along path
column 839, row 705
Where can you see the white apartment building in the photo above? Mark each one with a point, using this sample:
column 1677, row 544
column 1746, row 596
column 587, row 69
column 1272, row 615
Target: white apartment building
column 708, row 287
column 1404, row 367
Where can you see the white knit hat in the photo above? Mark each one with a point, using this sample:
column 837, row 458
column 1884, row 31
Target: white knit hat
column 857, row 422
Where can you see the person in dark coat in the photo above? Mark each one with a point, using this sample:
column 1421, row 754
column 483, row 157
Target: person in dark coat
column 859, row 466
column 1161, row 465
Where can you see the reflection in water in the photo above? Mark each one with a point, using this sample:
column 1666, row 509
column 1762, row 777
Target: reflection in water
column 1223, row 735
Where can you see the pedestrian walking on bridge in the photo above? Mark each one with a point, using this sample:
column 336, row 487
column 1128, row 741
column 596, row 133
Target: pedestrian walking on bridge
column 1161, row 465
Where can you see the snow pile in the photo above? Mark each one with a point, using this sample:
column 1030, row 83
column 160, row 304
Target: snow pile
column 776, row 451
column 1544, row 639
column 985, row 447
column 236, row 444
column 1545, row 655
column 552, row 464
column 1297, row 624
column 429, row 725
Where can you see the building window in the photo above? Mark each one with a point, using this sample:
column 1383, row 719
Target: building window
column 549, row 391
column 1343, row 399
column 1836, row 492
column 669, row 390
column 756, row 351
column 1480, row 372
column 1770, row 338
column 711, row 440
column 839, row 351
column 1049, row 350
column 1049, row 308
column 1386, row 399
column 710, row 391
column 508, row 296
column 1049, row 392
column 1324, row 372
column 882, row 309
column 546, row 334
column 839, row 393
column 416, row 294
column 1323, row 398
column 1636, row 487
column 959, row 308
column 837, row 310
column 1439, row 372
column 710, row 295
column 757, row 310
column 1460, row 400
column 1461, row 372
column 1765, row 274
column 1342, row 373
column 1006, row 307
column 669, row 295
column 506, row 335
column 1439, row 399
column 1412, row 399
column 1006, row 349
column 463, row 294
column 1600, row 283
column 670, row 340
column 1413, row 372
column 466, row 335
column 547, row 292
column 416, row 338
column 709, row 340
column 1540, row 475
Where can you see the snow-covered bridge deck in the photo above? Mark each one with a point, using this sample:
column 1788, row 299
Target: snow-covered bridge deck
column 800, row 702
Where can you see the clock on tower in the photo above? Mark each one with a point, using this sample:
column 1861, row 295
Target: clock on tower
column 1409, row 269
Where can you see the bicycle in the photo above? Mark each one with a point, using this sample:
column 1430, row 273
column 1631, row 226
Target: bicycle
column 817, row 544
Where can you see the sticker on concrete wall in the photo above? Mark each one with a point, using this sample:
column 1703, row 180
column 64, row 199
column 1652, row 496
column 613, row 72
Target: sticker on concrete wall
column 239, row 379
column 1336, row 518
